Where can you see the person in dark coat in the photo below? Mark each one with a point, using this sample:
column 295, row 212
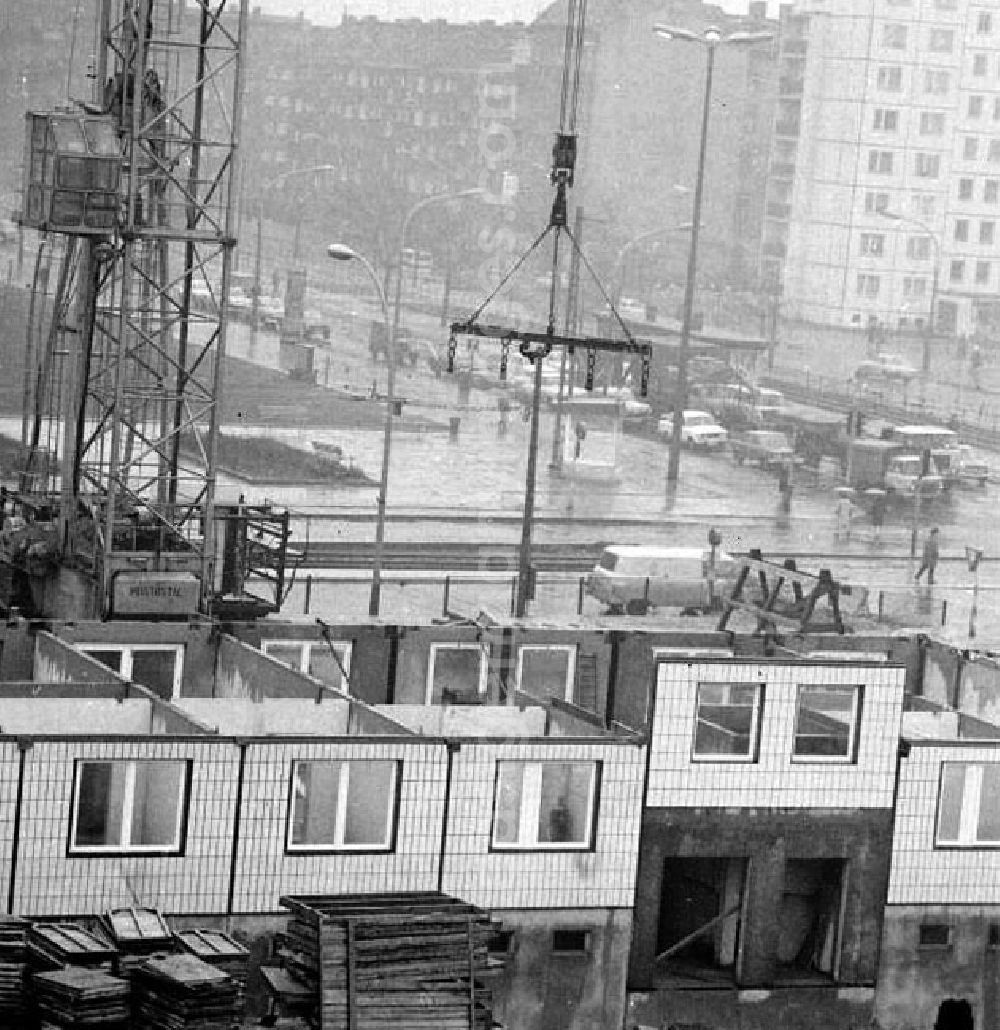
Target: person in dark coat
column 929, row 561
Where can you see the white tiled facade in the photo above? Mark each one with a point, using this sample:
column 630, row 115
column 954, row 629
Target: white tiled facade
column 49, row 882
column 600, row 878
column 899, row 112
column 264, row 871
column 774, row 780
column 923, row 873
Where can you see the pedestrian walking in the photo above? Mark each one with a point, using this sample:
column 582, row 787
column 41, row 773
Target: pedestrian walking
column 879, row 503
column 845, row 514
column 929, row 560
column 785, row 488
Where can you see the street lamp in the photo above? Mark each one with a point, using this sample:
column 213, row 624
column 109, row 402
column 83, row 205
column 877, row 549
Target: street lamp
column 929, row 329
column 269, row 184
column 711, row 39
column 341, row 252
column 437, row 198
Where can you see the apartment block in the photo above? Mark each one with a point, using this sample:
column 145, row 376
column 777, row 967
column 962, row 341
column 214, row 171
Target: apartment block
column 883, row 190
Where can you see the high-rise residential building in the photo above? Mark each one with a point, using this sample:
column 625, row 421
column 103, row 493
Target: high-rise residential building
column 884, row 187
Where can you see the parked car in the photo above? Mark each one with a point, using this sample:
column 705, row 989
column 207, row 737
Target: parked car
column 905, row 476
column 970, row 469
column 698, row 429
column 882, row 369
column 635, row 578
column 767, row 447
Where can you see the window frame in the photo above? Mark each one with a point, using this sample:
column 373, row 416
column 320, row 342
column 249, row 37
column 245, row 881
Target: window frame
column 753, row 751
column 457, row 645
column 131, row 850
column 307, row 648
column 853, row 731
column 343, row 787
column 128, row 655
column 969, row 811
column 570, row 649
column 546, row 847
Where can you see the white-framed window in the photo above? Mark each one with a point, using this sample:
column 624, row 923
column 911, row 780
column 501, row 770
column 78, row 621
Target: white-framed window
column 961, row 230
column 314, row 658
column 342, row 805
column 984, row 23
column 982, row 273
column 914, row 286
column 868, row 285
column 872, row 244
column 129, row 807
column 890, row 78
column 880, row 162
column 965, row 188
column 942, row 41
column 991, row 191
column 936, row 82
column 993, row 151
column 457, row 673
column 160, row 667
column 894, row 36
column 875, row 202
column 927, row 166
column 968, row 812
column 727, row 722
column 547, row 670
column 987, row 231
column 826, row 723
column 956, row 272
column 970, row 148
column 918, row 248
column 979, row 63
column 545, row 805
column 931, row 123
column 885, row 119
column 975, row 106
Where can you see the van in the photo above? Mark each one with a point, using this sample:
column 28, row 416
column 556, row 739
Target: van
column 633, row 579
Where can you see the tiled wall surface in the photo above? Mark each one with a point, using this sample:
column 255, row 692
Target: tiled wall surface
column 774, row 780
column 264, row 872
column 604, row 877
column 49, row 882
column 922, row 874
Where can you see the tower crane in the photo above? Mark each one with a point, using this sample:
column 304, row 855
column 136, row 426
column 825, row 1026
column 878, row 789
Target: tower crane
column 535, row 346
column 136, row 190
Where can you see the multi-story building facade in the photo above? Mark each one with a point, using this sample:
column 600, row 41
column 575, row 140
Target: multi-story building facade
column 890, row 123
column 641, row 137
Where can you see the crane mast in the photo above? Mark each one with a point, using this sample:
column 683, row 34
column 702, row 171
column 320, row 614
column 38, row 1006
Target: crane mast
column 127, row 383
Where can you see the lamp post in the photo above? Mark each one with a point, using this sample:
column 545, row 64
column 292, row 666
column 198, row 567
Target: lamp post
column 341, row 252
column 711, row 39
column 929, row 328
column 973, row 555
column 437, row 198
column 270, row 183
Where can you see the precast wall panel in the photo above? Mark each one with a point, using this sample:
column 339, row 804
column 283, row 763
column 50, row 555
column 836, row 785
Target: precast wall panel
column 266, row 869
column 773, row 777
column 601, row 876
column 50, row 881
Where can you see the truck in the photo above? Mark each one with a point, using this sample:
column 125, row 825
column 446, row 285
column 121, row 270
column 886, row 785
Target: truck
column 887, row 465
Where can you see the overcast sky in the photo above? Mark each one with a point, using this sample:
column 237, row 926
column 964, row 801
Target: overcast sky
column 329, row 11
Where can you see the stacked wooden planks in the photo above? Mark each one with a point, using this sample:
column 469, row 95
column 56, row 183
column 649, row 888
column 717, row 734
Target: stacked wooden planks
column 79, row 997
column 391, row 961
column 13, row 966
column 180, row 992
column 53, row 945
